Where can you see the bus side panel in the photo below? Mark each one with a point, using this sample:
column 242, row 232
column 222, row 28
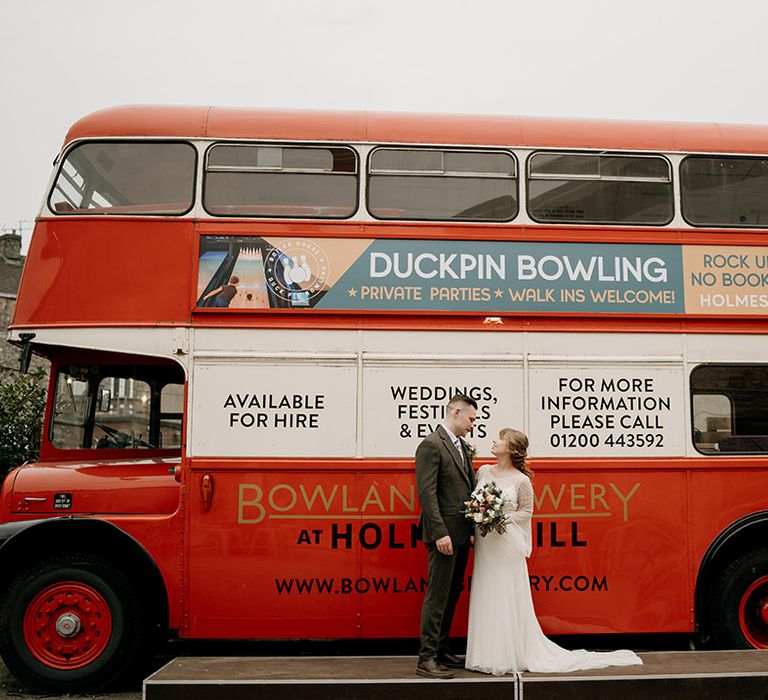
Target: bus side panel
column 271, row 556
column 161, row 538
column 335, row 553
column 144, row 278
column 394, row 559
column 723, row 496
column 610, row 551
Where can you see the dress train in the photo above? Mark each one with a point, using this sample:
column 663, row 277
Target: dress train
column 504, row 635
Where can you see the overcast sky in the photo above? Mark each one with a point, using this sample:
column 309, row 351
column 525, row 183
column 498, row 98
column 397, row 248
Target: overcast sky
column 689, row 60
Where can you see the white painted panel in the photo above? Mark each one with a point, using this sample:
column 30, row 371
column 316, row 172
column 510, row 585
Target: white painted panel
column 273, row 410
column 444, row 342
column 170, row 343
column 607, row 411
column 403, row 404
column 605, row 344
column 727, row 348
column 212, row 341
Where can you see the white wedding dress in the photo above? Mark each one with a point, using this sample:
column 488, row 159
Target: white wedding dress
column 504, row 635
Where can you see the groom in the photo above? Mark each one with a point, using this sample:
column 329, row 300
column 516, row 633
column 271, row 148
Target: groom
column 444, row 480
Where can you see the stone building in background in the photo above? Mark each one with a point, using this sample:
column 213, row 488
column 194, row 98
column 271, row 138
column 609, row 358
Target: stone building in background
column 11, row 264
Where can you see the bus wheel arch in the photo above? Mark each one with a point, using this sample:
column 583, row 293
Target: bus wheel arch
column 88, row 585
column 732, row 587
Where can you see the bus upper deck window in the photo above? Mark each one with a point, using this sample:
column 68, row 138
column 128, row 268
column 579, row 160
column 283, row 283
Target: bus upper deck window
column 442, row 185
column 718, row 191
column 125, row 177
column 599, row 188
column 281, row 181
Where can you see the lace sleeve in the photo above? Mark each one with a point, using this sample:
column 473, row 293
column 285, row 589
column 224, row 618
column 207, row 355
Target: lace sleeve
column 520, row 519
column 481, row 470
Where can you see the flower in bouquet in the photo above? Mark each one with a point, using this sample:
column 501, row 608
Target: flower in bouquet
column 485, row 508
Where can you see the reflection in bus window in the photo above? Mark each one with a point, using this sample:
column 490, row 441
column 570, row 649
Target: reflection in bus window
column 276, row 181
column 118, row 407
column 69, row 410
column 442, row 185
column 171, row 413
column 125, row 177
column 599, row 188
column 122, row 413
column 730, row 408
column 719, row 191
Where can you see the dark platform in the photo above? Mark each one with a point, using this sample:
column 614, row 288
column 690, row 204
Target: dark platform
column 719, row 675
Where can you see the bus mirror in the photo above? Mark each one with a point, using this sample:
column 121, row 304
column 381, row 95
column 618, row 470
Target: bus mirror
column 25, row 356
column 105, row 400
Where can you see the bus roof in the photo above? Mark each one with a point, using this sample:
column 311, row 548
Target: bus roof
column 386, row 127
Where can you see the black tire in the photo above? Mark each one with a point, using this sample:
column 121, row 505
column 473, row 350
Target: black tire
column 109, row 606
column 734, row 619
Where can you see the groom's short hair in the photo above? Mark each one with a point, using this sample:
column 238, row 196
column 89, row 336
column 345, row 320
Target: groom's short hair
column 462, row 398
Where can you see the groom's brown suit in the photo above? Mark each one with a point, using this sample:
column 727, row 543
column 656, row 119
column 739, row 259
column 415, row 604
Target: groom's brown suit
column 444, row 480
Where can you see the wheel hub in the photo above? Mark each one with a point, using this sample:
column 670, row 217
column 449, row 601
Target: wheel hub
column 68, row 625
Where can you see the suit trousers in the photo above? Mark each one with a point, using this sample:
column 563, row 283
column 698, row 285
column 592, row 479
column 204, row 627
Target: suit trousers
column 445, row 581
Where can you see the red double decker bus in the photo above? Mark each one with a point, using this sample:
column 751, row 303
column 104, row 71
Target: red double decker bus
column 253, row 318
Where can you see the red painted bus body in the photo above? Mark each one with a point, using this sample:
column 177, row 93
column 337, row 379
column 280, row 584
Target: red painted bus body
column 276, row 499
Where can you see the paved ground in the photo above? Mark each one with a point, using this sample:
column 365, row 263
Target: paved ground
column 10, row 689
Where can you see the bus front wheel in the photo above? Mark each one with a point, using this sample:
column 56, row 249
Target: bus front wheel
column 739, row 603
column 70, row 624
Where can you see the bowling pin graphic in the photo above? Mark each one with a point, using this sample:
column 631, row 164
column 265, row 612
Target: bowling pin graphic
column 286, row 270
column 305, row 267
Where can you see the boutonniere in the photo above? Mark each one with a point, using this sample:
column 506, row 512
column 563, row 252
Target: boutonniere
column 470, row 448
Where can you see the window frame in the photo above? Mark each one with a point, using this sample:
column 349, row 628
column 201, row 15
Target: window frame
column 714, row 365
column 480, row 150
column 282, row 144
column 712, row 156
column 99, row 371
column 62, row 159
column 599, row 178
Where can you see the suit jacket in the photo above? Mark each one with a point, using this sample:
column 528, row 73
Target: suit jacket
column 443, row 482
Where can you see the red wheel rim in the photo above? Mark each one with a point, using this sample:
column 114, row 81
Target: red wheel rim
column 67, row 625
column 753, row 613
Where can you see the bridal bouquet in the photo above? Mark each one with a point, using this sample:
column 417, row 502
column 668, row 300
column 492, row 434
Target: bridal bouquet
column 486, row 508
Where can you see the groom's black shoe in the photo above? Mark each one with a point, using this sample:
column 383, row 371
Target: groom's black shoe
column 450, row 661
column 430, row 668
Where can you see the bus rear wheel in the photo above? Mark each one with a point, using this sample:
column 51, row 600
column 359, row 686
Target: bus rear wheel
column 70, row 624
column 739, row 603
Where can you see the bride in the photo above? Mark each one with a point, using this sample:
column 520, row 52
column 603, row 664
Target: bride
column 504, row 635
